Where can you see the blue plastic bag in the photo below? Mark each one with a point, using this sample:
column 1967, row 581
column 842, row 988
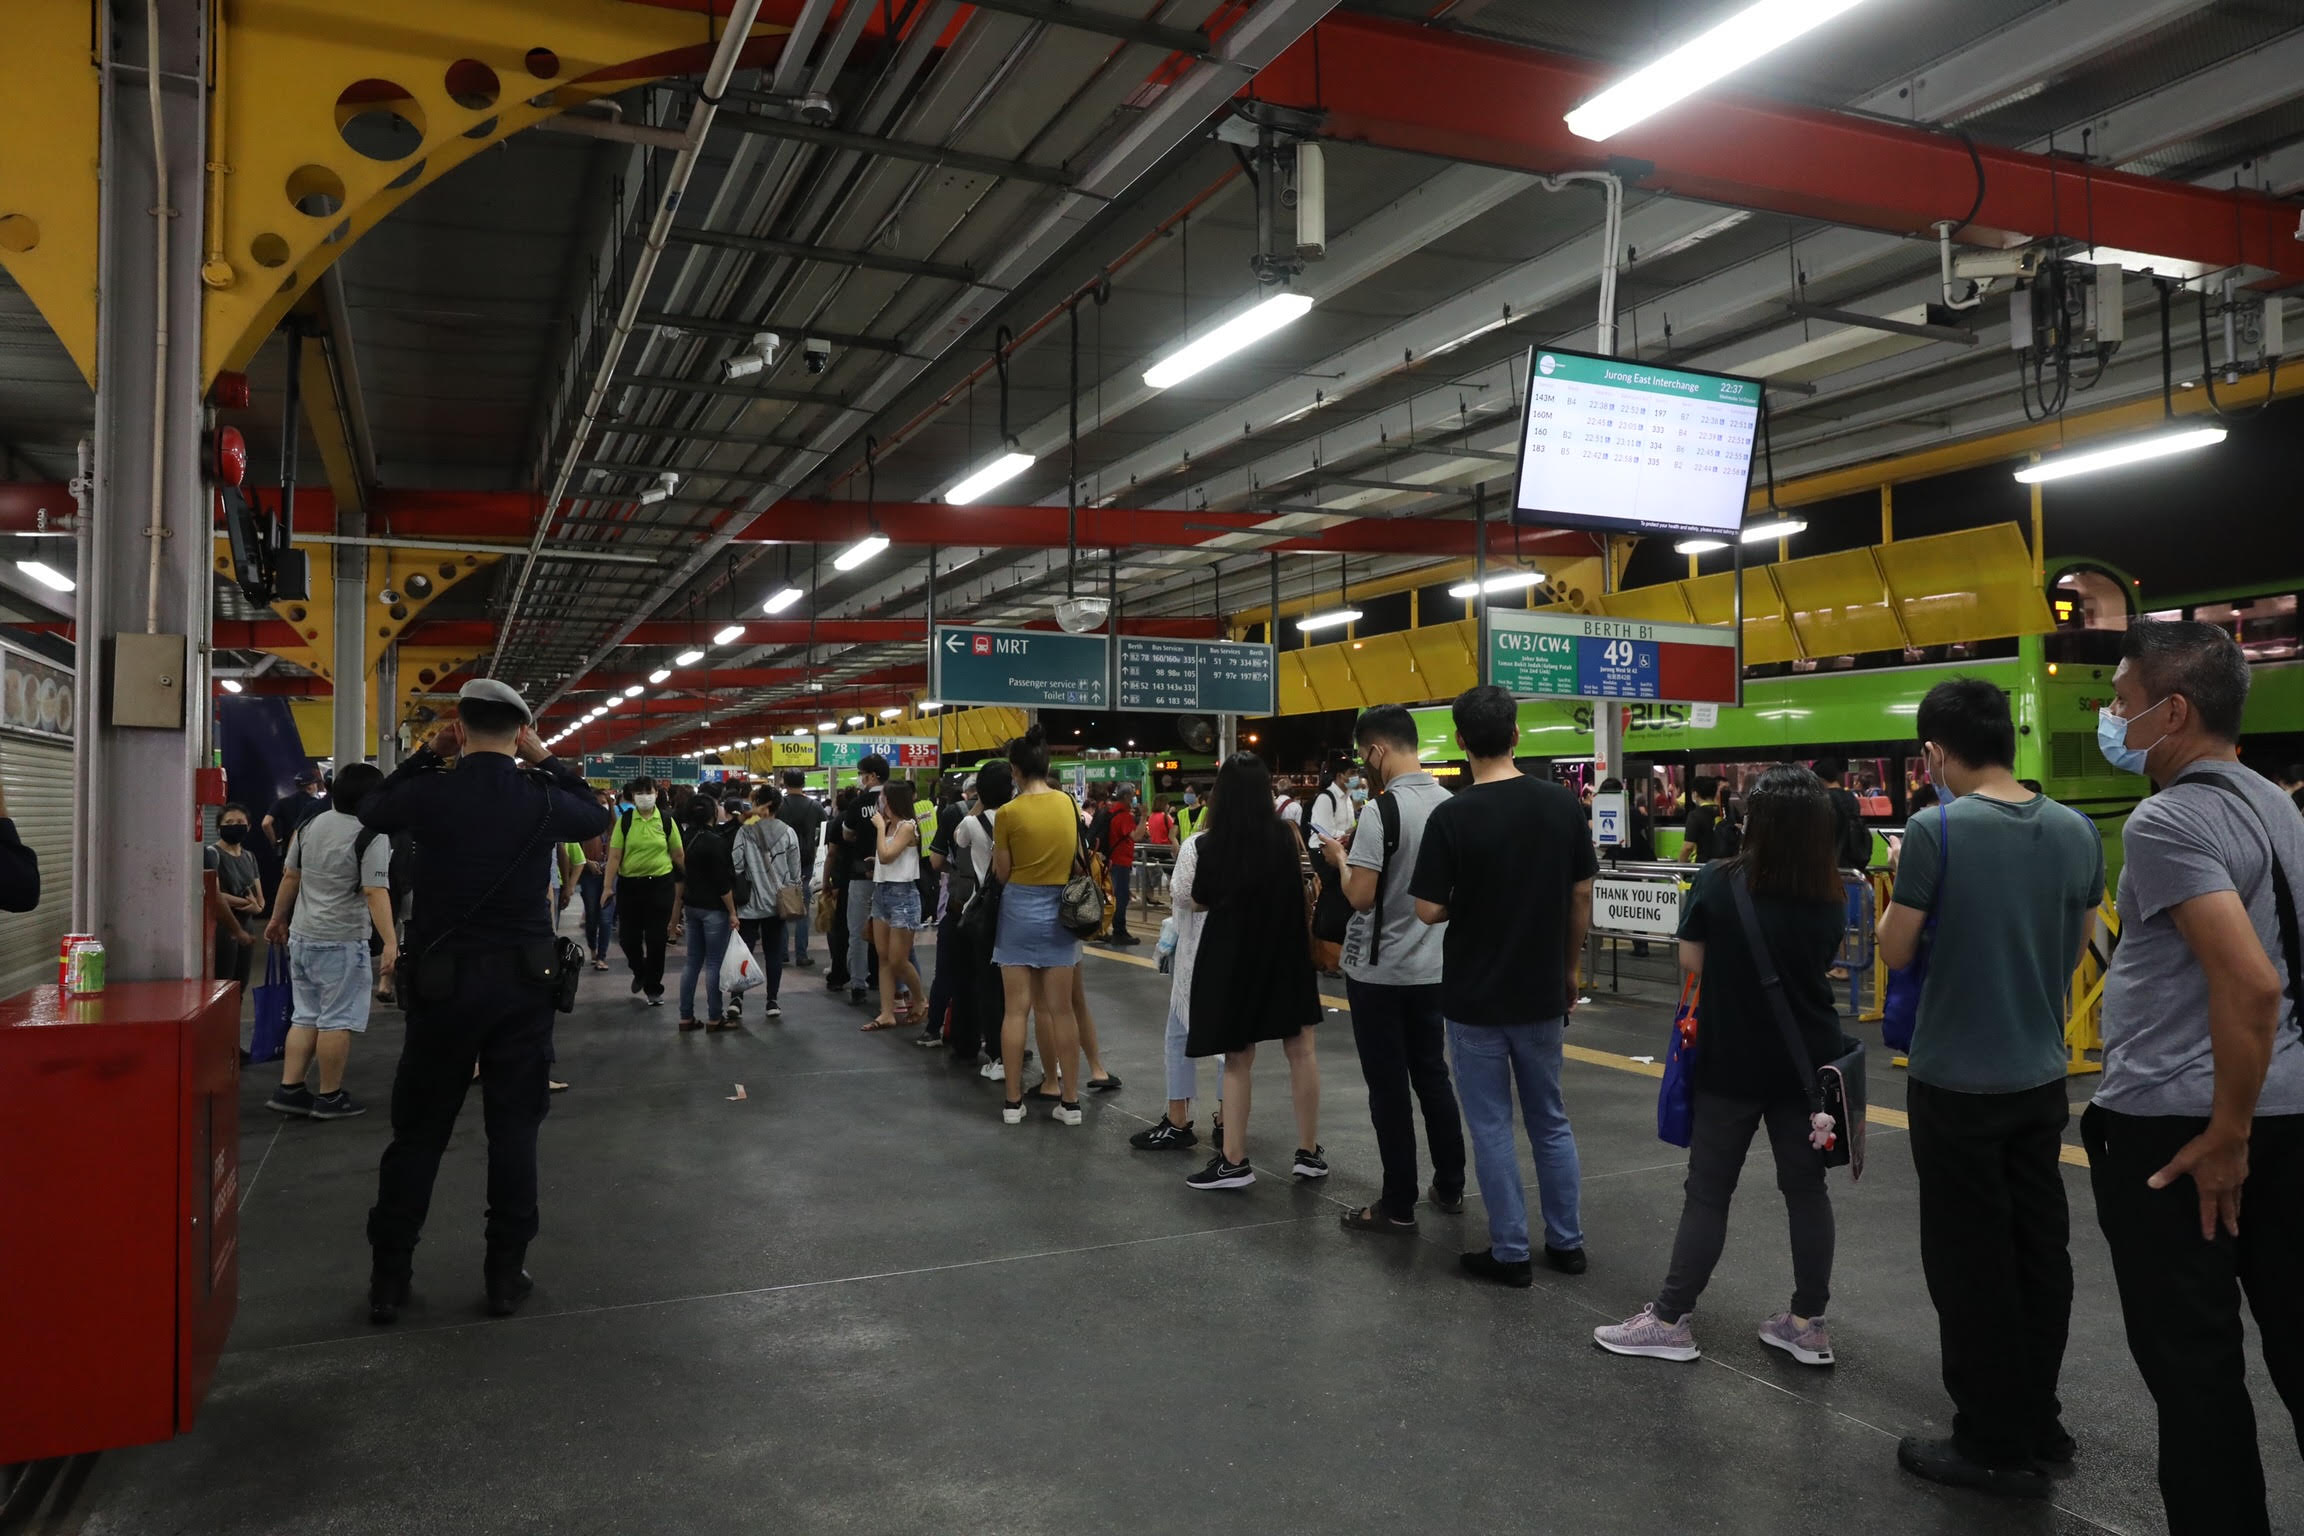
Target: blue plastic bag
column 268, row 1039
column 1676, row 1099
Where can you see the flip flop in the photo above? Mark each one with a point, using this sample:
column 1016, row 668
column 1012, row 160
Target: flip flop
column 1108, row 1083
column 870, row 1026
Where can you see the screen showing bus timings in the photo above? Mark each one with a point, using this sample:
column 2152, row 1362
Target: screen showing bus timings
column 1623, row 445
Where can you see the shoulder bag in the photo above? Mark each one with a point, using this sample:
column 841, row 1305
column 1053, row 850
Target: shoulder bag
column 792, row 895
column 1081, row 907
column 2283, row 894
column 1900, row 1013
column 980, row 918
column 1836, row 1088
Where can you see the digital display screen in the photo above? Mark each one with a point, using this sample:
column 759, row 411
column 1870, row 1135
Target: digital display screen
column 1611, row 444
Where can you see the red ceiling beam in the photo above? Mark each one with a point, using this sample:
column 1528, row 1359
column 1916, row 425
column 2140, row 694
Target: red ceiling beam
column 1405, row 87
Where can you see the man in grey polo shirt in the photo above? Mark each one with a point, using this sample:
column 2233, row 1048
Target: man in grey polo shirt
column 2196, row 1136
column 1392, row 976
column 332, row 892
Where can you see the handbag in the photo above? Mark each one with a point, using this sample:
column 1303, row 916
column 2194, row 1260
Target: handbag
column 1900, row 1012
column 1081, row 907
column 827, row 908
column 1837, row 1087
column 268, row 1037
column 791, row 901
column 1676, row 1098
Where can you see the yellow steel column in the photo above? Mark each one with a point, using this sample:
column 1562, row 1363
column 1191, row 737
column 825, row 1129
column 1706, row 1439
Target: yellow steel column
column 1887, row 513
column 2039, row 536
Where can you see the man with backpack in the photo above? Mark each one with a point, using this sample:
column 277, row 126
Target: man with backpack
column 336, row 887
column 2007, row 881
column 1855, row 841
column 1701, row 840
column 1392, row 966
column 645, row 861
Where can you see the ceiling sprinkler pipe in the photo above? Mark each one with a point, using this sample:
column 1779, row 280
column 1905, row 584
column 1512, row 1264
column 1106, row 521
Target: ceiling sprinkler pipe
column 1611, row 246
column 732, row 41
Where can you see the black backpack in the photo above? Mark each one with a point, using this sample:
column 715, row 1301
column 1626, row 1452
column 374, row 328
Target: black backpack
column 1387, row 811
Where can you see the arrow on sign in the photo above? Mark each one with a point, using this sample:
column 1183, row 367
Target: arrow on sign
column 952, row 640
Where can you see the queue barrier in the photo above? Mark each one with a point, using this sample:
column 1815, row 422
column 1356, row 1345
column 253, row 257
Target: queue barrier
column 1636, row 908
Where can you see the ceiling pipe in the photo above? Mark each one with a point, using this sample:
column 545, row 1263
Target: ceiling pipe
column 724, row 58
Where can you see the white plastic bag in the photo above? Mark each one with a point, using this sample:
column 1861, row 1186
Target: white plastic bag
column 1165, row 949
column 738, row 970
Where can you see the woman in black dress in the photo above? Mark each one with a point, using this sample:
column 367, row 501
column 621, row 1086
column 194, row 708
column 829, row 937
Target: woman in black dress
column 1253, row 980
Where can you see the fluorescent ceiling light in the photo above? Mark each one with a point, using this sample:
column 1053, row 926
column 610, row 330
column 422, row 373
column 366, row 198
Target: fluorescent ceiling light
column 782, row 600
column 732, row 632
column 799, row 730
column 1510, row 581
column 1752, row 533
column 993, row 475
column 229, row 684
column 1328, row 620
column 855, row 719
column 660, row 674
column 2133, row 450
column 2144, row 261
column 687, row 658
column 1752, row 33
column 614, row 703
column 45, row 574
column 891, row 712
column 1240, row 332
column 827, row 725
column 1699, row 546
column 928, row 706
column 757, row 740
column 634, row 691
column 859, row 552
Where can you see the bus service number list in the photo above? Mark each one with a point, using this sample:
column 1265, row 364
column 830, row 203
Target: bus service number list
column 1184, row 676
column 1681, row 461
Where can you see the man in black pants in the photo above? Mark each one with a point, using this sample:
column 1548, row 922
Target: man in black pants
column 645, row 858
column 1392, row 976
column 2196, row 1136
column 2011, row 882
column 482, row 954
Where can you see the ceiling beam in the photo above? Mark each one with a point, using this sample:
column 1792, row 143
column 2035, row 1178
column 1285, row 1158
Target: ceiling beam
column 1401, row 87
column 800, row 250
column 2020, row 58
column 875, row 145
column 1192, row 44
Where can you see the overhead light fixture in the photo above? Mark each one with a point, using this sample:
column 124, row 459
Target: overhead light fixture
column 666, row 484
column 660, row 674
column 1510, row 581
column 855, row 719
column 859, row 552
column 993, row 475
column 1752, row 33
column 614, row 703
column 782, row 600
column 732, row 632
column 687, row 658
column 2175, row 267
column 1234, row 335
column 757, row 740
column 45, row 574
column 799, row 730
column 2134, row 450
column 634, row 691
column 1329, row 620
column 827, row 725
column 1751, row 533
column 928, row 706
column 1699, row 546
column 891, row 712
column 229, row 684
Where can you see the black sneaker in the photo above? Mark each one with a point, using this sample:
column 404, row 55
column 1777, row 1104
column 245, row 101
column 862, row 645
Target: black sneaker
column 1484, row 1265
column 855, row 994
column 1569, row 1261
column 1220, row 1174
column 1311, row 1165
column 336, row 1106
column 2056, row 1447
column 805, row 963
column 772, row 1011
column 1452, row 1204
column 387, row 1294
column 929, row 1039
column 635, row 986
column 1165, row 1137
column 506, row 1292
column 1126, row 940
column 290, row 1101
column 1941, row 1461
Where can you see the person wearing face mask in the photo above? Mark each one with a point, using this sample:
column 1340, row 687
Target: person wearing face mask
column 2196, row 1135
column 1190, row 814
column 645, row 859
column 2007, row 883
column 239, row 891
column 1329, row 819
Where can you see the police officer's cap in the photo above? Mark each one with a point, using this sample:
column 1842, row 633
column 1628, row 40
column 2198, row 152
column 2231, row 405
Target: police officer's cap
column 494, row 692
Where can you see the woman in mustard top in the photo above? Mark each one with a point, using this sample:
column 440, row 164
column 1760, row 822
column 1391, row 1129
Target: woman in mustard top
column 1035, row 842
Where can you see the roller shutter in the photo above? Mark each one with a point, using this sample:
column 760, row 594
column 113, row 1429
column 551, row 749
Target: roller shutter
column 37, row 775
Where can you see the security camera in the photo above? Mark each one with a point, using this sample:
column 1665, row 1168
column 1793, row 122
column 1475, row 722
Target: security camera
column 758, row 355
column 817, row 353
column 1080, row 615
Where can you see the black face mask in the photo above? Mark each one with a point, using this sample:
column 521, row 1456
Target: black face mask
column 232, row 832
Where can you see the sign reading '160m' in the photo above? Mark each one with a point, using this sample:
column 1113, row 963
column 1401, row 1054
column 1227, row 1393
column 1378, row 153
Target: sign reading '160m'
column 1024, row 668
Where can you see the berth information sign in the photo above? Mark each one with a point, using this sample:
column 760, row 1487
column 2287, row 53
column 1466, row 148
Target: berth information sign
column 1585, row 656
column 1023, row 668
column 901, row 751
column 1217, row 677
column 1608, row 443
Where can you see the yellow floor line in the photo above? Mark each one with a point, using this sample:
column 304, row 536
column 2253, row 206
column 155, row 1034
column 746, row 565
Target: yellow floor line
column 1876, row 1114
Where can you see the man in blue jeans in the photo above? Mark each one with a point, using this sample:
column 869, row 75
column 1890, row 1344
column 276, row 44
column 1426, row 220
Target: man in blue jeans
column 1508, row 865
column 861, row 849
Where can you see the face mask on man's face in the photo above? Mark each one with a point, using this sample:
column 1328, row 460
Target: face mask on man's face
column 233, row 831
column 643, row 802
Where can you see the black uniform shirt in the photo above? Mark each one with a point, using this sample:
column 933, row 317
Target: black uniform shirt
column 470, row 823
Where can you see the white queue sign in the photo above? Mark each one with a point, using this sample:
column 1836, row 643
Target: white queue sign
column 1647, row 908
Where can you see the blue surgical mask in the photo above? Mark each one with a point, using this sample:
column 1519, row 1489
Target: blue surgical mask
column 2112, row 740
column 1191, row 797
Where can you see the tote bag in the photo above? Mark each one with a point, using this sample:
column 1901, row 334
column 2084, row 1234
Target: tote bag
column 268, row 1039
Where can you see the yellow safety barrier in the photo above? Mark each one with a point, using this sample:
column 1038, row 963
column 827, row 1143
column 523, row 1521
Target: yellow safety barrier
column 2084, row 1024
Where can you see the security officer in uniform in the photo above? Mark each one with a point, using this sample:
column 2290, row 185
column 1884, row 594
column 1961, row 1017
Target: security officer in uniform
column 476, row 974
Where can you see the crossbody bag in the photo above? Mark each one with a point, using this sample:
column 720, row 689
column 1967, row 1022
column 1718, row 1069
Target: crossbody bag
column 1837, row 1087
column 1900, row 1012
column 2283, row 894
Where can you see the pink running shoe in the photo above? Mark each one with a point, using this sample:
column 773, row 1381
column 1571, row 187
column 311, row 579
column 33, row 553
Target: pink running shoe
column 1647, row 1334
column 1806, row 1342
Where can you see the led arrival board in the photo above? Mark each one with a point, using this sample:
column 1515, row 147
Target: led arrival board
column 1584, row 656
column 1629, row 446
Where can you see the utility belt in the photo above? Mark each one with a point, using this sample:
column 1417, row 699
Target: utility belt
column 431, row 978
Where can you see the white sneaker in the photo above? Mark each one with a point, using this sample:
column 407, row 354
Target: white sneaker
column 1064, row 1114
column 993, row 1071
column 1012, row 1114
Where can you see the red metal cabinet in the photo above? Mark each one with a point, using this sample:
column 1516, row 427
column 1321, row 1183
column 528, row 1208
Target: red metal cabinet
column 119, row 1211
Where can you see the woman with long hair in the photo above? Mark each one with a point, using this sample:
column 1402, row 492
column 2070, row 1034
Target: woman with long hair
column 1745, row 1076
column 1036, row 844
column 1252, row 978
column 896, row 901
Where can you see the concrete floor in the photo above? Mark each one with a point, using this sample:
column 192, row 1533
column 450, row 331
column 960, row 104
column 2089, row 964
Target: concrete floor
column 854, row 1301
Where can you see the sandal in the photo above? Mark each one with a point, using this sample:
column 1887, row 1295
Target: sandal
column 1370, row 1219
column 1108, row 1083
column 871, row 1025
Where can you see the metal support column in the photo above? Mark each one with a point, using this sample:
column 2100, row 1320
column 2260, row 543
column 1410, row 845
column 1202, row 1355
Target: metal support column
column 135, row 849
column 348, row 712
column 388, row 708
column 1607, row 714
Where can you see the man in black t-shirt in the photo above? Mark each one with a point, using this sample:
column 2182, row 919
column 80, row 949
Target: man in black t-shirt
column 1508, row 866
column 1700, row 839
column 307, row 800
column 1854, row 842
column 799, row 811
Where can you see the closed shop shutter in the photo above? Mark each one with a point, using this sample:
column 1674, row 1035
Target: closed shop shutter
column 37, row 775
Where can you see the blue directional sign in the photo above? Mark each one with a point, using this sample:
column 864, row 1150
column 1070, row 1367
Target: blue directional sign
column 1022, row 668
column 1617, row 669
